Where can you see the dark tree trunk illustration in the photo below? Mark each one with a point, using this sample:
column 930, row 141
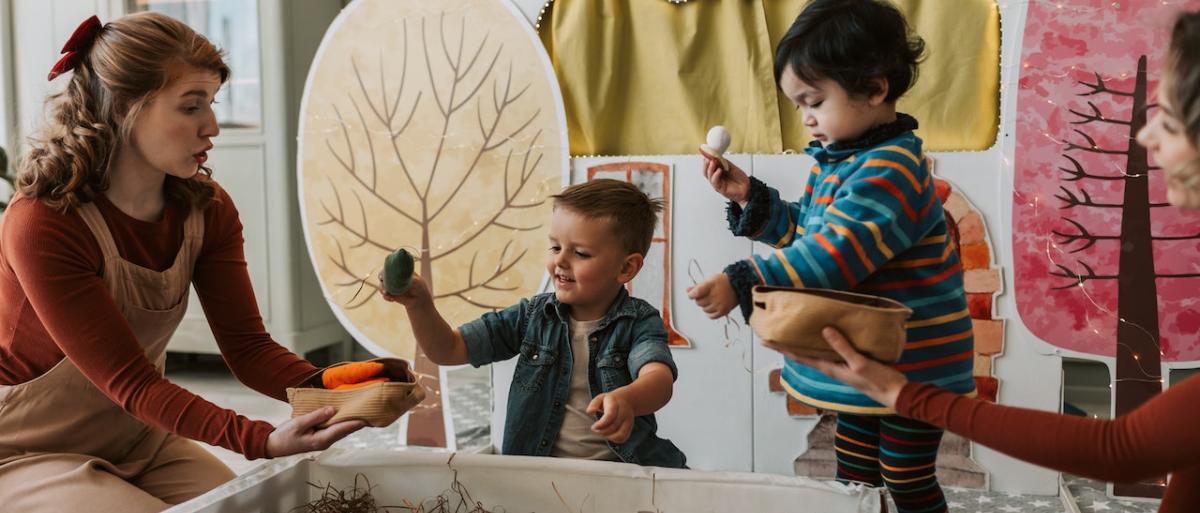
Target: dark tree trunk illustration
column 1138, row 350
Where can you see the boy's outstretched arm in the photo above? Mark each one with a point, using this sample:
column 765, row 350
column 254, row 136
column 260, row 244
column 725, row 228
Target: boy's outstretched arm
column 647, row 394
column 441, row 343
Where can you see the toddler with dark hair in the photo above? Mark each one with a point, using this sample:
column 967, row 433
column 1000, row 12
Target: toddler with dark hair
column 869, row 221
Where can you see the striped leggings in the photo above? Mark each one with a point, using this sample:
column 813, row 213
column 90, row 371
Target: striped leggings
column 894, row 451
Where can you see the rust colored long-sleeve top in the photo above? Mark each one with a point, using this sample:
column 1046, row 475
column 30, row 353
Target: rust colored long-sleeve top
column 54, row 304
column 1162, row 436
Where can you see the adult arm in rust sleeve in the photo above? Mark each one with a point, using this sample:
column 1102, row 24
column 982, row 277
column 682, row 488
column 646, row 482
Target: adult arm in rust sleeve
column 1160, row 436
column 58, row 264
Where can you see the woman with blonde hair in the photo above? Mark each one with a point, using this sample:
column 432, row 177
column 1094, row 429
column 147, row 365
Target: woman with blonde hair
column 115, row 216
column 1159, row 437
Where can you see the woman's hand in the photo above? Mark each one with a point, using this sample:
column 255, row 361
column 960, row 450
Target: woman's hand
column 301, row 434
column 878, row 381
column 732, row 183
column 417, row 295
column 715, row 296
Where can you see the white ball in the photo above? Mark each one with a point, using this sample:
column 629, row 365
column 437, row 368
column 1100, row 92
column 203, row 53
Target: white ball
column 718, row 139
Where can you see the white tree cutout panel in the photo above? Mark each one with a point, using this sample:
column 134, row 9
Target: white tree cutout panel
column 438, row 127
column 653, row 283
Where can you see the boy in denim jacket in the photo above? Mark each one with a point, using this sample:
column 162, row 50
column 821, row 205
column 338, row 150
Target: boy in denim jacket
column 593, row 364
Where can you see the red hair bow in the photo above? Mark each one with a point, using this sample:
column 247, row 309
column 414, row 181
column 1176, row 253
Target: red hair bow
column 77, row 46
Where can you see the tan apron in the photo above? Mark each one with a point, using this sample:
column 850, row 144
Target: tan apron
column 65, row 446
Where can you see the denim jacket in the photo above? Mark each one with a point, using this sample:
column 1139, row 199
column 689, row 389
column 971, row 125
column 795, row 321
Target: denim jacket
column 537, row 331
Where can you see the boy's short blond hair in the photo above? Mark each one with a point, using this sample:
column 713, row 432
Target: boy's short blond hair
column 631, row 214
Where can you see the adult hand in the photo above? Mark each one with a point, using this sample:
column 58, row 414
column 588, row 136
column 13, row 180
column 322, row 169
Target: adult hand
column 878, row 381
column 417, row 295
column 301, row 434
column 732, row 183
column 715, row 296
column 617, row 422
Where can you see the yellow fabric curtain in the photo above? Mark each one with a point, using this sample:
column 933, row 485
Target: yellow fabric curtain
column 651, row 76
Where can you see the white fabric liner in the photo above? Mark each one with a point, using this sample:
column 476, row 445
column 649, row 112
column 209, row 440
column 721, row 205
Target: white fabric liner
column 520, row 484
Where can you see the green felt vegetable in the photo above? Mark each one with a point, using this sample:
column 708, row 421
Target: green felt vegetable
column 397, row 272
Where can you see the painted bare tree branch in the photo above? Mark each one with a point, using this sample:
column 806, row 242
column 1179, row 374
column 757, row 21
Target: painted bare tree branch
column 1095, row 116
column 384, row 106
column 1078, row 279
column 1100, row 87
column 1091, row 146
column 1083, row 199
column 1083, row 235
column 1077, row 173
column 377, row 120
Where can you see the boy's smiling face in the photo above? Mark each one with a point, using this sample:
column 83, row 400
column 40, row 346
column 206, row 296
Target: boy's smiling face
column 830, row 113
column 587, row 263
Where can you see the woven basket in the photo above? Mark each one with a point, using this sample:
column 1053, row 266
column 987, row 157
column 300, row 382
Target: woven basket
column 378, row 405
column 794, row 318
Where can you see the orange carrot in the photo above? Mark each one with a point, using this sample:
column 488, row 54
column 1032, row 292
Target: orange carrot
column 352, row 386
column 350, row 374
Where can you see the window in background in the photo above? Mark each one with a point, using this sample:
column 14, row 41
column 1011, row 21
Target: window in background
column 232, row 25
column 1178, row 375
column 1087, row 388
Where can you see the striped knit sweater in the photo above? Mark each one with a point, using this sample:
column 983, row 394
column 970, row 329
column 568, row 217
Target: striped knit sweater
column 870, row 222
